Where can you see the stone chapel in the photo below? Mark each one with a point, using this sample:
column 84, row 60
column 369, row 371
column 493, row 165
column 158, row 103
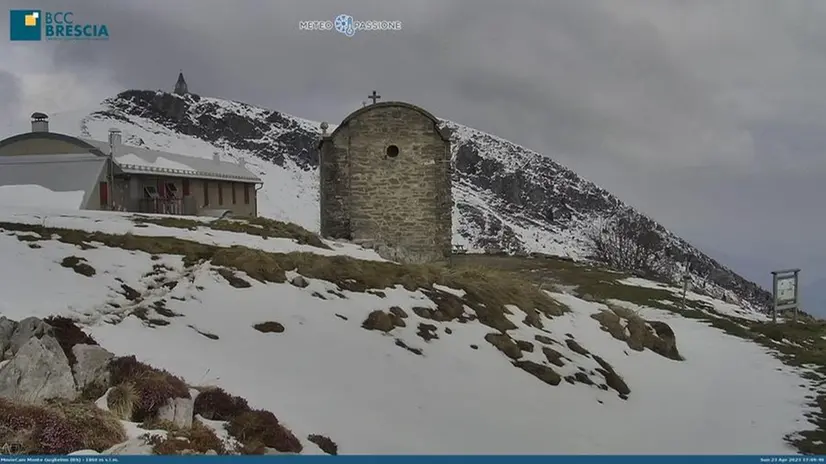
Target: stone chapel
column 385, row 177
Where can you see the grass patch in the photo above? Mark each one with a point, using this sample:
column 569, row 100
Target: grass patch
column 216, row 404
column 543, row 373
column 197, row 439
column 504, row 343
column 400, row 343
column 78, row 265
column 154, row 387
column 260, row 226
column 265, row 227
column 427, row 332
column 208, row 335
column 639, row 333
column 232, row 279
column 383, row 321
column 487, row 291
column 99, row 429
column 56, row 428
column 324, row 443
column 258, row 429
column 269, row 327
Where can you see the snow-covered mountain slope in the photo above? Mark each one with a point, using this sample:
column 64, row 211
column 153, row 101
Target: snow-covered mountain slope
column 389, row 359
column 506, row 196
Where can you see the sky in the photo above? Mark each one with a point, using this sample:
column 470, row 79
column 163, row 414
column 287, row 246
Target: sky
column 709, row 116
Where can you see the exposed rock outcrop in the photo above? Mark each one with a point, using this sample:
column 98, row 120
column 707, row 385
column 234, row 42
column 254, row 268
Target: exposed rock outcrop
column 39, row 371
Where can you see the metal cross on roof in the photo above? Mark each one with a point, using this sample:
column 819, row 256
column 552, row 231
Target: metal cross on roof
column 374, row 97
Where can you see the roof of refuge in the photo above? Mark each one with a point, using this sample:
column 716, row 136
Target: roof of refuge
column 139, row 160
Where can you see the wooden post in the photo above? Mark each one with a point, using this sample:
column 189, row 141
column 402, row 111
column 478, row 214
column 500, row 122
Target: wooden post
column 685, row 285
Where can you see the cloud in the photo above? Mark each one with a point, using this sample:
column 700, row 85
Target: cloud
column 706, row 115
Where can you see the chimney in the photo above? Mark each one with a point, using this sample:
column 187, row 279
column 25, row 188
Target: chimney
column 40, row 122
column 114, row 140
column 242, row 162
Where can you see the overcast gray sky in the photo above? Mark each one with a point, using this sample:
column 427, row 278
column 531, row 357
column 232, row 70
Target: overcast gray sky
column 710, row 116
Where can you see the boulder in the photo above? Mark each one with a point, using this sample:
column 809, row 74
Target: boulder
column 179, row 411
column 28, row 328
column 299, row 282
column 7, row 328
column 37, row 372
column 92, row 366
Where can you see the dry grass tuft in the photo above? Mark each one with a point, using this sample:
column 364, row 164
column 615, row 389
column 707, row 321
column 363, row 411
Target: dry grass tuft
column 122, row 400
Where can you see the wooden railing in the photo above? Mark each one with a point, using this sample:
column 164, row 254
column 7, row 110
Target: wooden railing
column 162, row 206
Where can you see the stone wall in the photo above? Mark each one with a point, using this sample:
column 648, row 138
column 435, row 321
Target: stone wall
column 400, row 203
column 333, row 174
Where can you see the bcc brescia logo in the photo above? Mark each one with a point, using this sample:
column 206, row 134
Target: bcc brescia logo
column 36, row 25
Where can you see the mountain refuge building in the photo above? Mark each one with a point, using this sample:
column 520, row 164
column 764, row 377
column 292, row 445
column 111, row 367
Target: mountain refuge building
column 113, row 176
column 385, row 178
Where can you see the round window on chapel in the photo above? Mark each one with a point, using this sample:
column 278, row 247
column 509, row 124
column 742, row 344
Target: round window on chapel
column 392, row 151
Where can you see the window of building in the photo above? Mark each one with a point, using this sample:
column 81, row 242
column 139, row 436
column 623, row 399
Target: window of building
column 246, row 194
column 171, row 190
column 392, row 151
column 220, row 194
column 150, row 191
column 206, row 193
column 185, row 185
column 232, row 186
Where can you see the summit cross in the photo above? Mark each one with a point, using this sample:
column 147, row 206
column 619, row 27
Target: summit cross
column 374, row 97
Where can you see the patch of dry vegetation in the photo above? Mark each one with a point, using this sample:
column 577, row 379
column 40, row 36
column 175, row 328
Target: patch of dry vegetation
column 99, row 429
column 488, row 292
column 257, row 430
column 198, row 439
column 543, row 373
column 232, row 279
column 154, row 387
column 216, row 404
column 383, row 321
column 324, row 443
column 639, row 333
column 78, row 265
column 56, row 428
column 260, row 226
column 504, row 343
column 269, row 327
